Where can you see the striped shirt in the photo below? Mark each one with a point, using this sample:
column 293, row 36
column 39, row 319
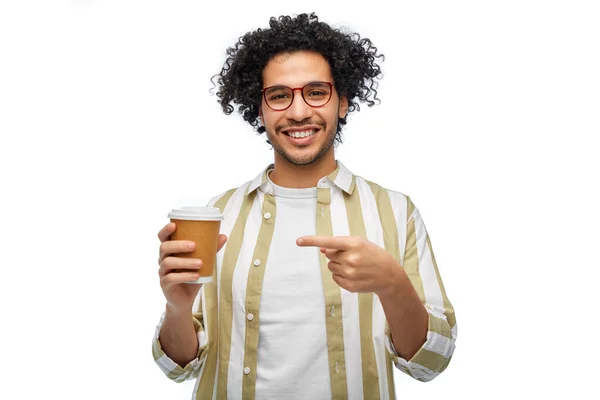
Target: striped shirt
column 360, row 351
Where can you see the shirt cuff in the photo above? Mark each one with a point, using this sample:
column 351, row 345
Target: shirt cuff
column 435, row 354
column 169, row 367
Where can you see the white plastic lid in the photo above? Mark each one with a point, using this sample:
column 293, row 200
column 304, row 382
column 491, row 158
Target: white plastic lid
column 196, row 213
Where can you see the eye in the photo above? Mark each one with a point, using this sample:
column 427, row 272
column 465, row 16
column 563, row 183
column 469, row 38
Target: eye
column 279, row 96
column 316, row 93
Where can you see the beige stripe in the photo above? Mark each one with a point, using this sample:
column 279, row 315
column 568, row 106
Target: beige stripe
column 230, row 258
column 390, row 240
column 411, row 258
column 352, row 185
column 176, row 373
column 334, row 174
column 197, row 318
column 333, row 304
column 365, row 306
column 390, row 374
column 439, row 326
column 410, row 207
column 430, row 359
column 449, row 310
column 157, row 352
column 253, row 293
column 207, row 380
column 443, row 367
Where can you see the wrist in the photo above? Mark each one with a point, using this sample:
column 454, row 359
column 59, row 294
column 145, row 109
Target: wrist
column 177, row 312
column 394, row 283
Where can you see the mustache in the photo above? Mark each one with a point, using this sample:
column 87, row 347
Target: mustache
column 280, row 128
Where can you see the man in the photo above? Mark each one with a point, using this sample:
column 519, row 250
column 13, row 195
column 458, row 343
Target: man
column 323, row 280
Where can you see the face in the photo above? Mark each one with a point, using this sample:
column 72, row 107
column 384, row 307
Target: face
column 296, row 70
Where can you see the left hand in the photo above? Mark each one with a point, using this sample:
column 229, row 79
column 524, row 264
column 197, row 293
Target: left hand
column 357, row 265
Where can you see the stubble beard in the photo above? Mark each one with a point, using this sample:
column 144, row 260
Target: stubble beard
column 309, row 158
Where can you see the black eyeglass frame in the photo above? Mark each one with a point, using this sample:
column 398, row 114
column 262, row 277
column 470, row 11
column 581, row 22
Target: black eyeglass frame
column 264, row 94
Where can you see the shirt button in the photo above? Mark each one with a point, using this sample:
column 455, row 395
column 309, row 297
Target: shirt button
column 267, row 215
column 250, row 316
column 257, row 262
column 246, row 370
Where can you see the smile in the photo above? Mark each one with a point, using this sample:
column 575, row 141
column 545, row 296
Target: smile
column 301, row 137
column 302, row 134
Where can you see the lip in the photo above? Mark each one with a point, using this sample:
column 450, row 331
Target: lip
column 303, row 128
column 302, row 141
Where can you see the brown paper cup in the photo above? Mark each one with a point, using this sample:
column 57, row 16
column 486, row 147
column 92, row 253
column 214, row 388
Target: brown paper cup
column 200, row 225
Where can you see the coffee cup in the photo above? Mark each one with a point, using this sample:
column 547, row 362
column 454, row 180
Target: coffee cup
column 200, row 225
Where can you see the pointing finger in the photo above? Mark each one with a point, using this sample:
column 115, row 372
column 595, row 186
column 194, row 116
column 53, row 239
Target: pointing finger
column 328, row 242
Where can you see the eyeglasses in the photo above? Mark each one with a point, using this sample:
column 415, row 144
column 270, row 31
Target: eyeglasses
column 315, row 94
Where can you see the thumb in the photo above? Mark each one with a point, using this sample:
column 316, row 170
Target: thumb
column 222, row 240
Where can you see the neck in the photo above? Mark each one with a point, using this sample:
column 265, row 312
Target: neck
column 294, row 176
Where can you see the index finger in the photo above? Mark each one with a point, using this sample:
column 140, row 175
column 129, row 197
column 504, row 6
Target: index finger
column 328, row 242
column 166, row 231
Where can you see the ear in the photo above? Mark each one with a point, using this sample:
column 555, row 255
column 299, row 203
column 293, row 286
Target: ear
column 343, row 107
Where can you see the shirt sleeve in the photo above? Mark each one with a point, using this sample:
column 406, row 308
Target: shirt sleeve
column 420, row 265
column 169, row 367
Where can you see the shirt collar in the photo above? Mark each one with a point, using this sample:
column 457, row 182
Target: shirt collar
column 341, row 177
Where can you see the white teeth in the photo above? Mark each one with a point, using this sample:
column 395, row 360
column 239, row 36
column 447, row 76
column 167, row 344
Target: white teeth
column 303, row 134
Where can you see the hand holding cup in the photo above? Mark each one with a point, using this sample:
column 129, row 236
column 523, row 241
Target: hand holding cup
column 189, row 244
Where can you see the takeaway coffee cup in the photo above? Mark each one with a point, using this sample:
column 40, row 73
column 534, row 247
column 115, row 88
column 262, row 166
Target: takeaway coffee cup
column 200, row 225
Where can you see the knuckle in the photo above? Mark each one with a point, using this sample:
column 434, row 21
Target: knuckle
column 164, row 281
column 330, row 265
column 350, row 273
column 162, row 267
column 163, row 248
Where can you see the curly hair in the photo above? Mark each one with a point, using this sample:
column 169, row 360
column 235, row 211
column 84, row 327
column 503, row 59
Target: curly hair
column 351, row 59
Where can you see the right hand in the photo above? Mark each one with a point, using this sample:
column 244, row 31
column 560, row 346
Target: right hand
column 180, row 296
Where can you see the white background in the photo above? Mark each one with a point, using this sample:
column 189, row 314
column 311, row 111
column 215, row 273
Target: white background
column 489, row 121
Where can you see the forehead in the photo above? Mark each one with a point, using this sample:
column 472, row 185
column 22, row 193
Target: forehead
column 296, row 69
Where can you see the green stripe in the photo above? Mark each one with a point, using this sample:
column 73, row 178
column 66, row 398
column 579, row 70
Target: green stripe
column 365, row 306
column 230, row 258
column 207, row 380
column 333, row 304
column 449, row 310
column 253, row 294
column 390, row 240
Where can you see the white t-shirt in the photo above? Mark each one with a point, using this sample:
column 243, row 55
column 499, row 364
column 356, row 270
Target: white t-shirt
column 292, row 347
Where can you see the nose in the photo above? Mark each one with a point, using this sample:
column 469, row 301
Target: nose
column 299, row 110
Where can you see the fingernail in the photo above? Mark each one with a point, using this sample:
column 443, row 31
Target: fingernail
column 191, row 245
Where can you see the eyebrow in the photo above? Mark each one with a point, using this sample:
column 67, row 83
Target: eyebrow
column 307, row 83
